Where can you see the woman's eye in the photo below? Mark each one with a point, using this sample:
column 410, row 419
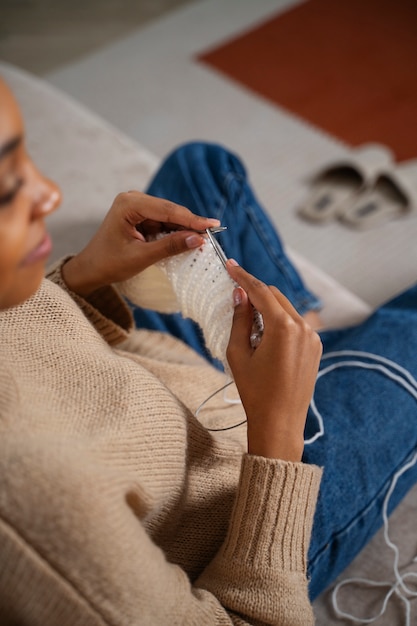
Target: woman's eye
column 7, row 197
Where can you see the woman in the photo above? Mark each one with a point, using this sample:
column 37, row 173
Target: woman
column 116, row 504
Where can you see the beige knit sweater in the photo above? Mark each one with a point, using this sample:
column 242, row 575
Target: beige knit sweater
column 118, row 506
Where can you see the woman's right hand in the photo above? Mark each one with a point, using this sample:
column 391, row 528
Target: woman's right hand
column 275, row 380
column 121, row 247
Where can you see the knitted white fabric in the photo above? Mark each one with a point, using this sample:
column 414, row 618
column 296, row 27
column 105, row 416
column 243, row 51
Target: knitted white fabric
column 150, row 289
column 204, row 291
column 195, row 283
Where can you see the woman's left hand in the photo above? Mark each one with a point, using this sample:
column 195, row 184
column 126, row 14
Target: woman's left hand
column 120, row 248
column 276, row 379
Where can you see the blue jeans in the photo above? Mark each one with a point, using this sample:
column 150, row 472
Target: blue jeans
column 370, row 422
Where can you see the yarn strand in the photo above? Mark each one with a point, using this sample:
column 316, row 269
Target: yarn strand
column 399, row 587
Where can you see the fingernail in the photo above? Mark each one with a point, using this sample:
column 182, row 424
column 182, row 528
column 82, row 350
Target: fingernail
column 233, row 262
column 237, row 297
column 194, row 241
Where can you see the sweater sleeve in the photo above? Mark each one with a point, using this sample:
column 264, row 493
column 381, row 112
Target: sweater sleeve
column 105, row 308
column 94, row 562
column 260, row 571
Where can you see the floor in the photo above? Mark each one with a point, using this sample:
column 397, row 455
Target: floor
column 42, row 35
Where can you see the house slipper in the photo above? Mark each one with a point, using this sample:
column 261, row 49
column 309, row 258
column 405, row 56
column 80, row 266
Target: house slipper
column 336, row 184
column 392, row 195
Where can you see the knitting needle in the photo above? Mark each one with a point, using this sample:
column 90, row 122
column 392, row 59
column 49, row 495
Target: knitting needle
column 216, row 245
column 258, row 322
column 214, row 230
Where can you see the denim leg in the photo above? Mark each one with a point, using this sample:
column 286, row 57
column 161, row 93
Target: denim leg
column 211, row 181
column 370, row 422
column 370, row 425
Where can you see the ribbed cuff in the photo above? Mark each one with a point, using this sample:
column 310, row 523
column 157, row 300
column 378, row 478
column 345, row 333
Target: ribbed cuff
column 273, row 514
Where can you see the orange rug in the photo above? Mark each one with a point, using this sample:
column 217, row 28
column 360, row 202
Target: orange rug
column 348, row 67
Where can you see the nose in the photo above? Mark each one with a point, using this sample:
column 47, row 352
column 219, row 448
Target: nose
column 47, row 199
column 44, row 193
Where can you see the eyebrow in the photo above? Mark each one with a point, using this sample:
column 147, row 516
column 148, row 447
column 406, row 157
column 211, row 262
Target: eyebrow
column 9, row 146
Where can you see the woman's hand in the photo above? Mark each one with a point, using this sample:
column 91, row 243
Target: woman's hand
column 275, row 380
column 120, row 248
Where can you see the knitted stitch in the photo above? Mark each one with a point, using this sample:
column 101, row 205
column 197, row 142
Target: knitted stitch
column 204, row 291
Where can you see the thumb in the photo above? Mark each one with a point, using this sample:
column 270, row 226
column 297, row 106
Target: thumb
column 172, row 244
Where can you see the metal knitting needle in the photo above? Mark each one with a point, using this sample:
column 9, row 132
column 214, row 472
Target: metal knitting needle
column 214, row 230
column 258, row 322
column 216, row 245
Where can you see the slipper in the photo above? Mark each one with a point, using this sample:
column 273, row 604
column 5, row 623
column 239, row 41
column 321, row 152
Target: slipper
column 392, row 195
column 337, row 183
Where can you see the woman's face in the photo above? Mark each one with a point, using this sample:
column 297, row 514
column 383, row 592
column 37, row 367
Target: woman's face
column 26, row 198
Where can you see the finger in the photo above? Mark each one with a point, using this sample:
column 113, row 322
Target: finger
column 260, row 295
column 285, row 303
column 255, row 287
column 239, row 343
column 172, row 244
column 142, row 206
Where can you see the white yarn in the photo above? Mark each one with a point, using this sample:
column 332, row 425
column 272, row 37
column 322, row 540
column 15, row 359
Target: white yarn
column 404, row 378
column 204, row 291
column 196, row 284
column 150, row 289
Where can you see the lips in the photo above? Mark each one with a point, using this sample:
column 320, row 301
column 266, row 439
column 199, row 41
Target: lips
column 40, row 252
